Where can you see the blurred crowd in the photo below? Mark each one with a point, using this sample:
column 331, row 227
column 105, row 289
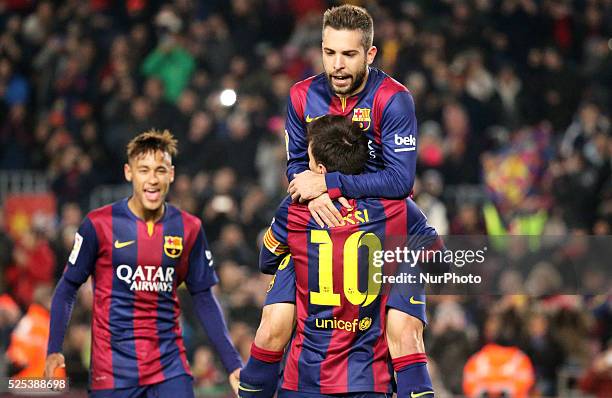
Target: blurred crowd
column 512, row 99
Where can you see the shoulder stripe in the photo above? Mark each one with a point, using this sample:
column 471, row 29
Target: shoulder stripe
column 272, row 244
column 387, row 89
column 298, row 94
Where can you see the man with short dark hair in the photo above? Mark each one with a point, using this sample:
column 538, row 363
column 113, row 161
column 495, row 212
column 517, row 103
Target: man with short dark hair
column 138, row 251
column 349, row 87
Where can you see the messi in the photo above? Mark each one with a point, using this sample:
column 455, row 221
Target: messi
column 147, row 278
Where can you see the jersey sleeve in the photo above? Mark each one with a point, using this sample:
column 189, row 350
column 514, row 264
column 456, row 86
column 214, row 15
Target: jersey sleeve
column 296, row 142
column 420, row 233
column 398, row 135
column 274, row 247
column 423, row 236
column 82, row 258
column 201, row 274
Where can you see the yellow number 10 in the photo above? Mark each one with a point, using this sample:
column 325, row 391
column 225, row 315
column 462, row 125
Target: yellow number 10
column 326, row 295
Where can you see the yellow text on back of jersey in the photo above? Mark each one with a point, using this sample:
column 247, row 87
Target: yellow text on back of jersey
column 357, row 217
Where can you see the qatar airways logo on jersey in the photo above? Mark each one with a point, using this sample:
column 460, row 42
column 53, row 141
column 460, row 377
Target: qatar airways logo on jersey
column 147, row 278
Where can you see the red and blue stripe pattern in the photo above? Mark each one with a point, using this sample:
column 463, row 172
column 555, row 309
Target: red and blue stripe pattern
column 390, row 108
column 333, row 360
column 136, row 337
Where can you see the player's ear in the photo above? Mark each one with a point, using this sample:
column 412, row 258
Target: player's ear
column 172, row 174
column 127, row 171
column 321, row 168
column 371, row 54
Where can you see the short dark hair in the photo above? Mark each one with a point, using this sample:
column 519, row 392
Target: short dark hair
column 338, row 144
column 152, row 141
column 350, row 17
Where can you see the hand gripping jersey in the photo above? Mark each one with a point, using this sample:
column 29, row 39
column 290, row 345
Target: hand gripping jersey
column 384, row 110
column 136, row 268
column 339, row 344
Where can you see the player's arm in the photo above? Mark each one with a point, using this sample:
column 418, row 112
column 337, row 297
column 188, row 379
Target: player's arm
column 211, row 318
column 320, row 205
column 272, row 253
column 80, row 265
column 274, row 247
column 201, row 277
column 295, row 141
column 398, row 134
column 422, row 236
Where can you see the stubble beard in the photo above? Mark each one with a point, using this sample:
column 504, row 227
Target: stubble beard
column 358, row 79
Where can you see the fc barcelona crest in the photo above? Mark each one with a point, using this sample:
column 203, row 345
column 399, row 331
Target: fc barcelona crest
column 173, row 246
column 362, row 115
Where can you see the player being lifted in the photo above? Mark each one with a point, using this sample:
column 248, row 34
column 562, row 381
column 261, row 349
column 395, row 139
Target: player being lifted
column 348, row 328
column 138, row 251
column 382, row 107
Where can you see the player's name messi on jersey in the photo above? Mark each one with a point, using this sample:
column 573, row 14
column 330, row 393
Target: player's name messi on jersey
column 147, row 278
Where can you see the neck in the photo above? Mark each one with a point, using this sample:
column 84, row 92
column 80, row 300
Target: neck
column 358, row 89
column 144, row 214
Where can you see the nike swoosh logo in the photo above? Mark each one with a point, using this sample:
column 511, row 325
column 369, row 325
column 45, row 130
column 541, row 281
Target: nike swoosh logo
column 413, row 395
column 413, row 301
column 120, row 245
column 310, row 119
column 248, row 389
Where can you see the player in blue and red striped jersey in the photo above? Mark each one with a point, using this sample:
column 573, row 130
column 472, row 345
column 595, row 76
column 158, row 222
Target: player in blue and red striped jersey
column 349, row 330
column 383, row 108
column 138, row 251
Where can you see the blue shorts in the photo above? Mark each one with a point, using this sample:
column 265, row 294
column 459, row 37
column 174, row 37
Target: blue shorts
column 405, row 297
column 176, row 387
column 282, row 286
column 297, row 394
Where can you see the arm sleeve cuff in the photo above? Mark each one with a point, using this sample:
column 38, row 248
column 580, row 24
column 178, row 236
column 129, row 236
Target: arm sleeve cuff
column 61, row 309
column 332, row 181
column 210, row 316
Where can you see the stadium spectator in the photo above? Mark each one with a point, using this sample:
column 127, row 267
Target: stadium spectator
column 15, row 137
column 9, row 316
column 240, row 146
column 428, row 193
column 170, row 61
column 27, row 350
column 205, row 374
column 232, row 246
column 498, row 371
column 544, row 351
column 201, row 149
column 33, row 264
column 6, row 247
column 499, row 368
column 452, row 342
column 598, row 378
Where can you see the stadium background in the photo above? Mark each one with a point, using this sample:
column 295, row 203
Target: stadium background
column 512, row 99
